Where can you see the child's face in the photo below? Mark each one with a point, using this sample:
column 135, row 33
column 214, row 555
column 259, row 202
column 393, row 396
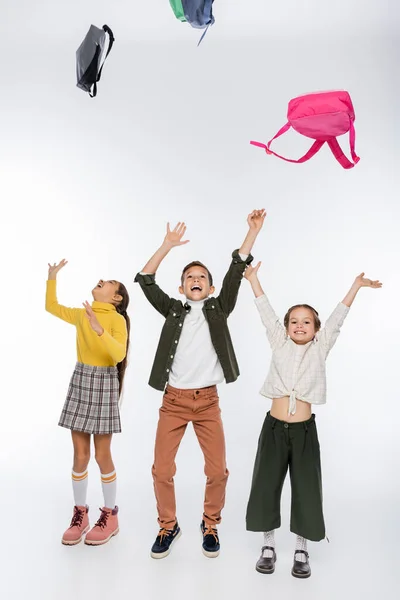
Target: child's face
column 301, row 328
column 106, row 291
column 196, row 285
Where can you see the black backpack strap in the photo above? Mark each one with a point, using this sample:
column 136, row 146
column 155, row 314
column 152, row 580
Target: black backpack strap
column 112, row 40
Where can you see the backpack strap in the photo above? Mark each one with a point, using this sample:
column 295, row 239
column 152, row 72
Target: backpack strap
column 203, row 34
column 317, row 145
column 338, row 152
column 207, row 9
column 110, row 45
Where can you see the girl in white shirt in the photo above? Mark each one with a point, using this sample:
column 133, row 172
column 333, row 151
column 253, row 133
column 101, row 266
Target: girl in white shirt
column 289, row 438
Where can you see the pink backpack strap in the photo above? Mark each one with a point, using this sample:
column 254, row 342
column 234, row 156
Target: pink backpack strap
column 338, row 152
column 317, row 145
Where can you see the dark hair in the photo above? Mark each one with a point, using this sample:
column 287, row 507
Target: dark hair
column 121, row 309
column 317, row 321
column 196, row 263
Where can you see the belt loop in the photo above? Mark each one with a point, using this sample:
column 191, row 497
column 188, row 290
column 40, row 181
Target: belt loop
column 273, row 422
column 305, row 426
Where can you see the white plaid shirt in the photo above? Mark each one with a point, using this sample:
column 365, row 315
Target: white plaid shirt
column 298, row 370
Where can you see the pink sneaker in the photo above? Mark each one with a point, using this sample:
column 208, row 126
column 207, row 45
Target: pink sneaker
column 79, row 526
column 105, row 528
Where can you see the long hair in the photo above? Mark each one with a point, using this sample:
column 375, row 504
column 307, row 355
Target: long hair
column 317, row 320
column 121, row 308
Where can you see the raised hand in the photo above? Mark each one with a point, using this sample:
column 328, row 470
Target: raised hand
column 54, row 269
column 251, row 273
column 256, row 218
column 174, row 238
column 95, row 325
column 359, row 282
column 362, row 281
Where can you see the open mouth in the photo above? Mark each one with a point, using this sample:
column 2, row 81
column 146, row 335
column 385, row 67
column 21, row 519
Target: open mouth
column 99, row 285
column 300, row 332
column 196, row 288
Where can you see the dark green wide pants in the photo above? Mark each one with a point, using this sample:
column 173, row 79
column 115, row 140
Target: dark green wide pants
column 282, row 445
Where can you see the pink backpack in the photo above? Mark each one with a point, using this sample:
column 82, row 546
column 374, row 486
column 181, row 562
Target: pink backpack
column 321, row 116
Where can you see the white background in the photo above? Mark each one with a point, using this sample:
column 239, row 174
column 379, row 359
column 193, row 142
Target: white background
column 95, row 181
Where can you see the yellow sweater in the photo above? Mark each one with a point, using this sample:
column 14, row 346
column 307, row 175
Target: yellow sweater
column 96, row 350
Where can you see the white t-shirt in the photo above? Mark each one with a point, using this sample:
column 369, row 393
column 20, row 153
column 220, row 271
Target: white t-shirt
column 195, row 364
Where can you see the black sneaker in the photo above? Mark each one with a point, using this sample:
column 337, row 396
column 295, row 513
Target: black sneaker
column 211, row 545
column 166, row 537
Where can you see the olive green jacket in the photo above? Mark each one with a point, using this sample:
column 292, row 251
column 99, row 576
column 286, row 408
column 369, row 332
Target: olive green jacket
column 216, row 311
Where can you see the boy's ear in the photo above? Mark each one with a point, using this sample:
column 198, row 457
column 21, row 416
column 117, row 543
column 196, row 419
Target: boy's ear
column 181, row 290
column 212, row 289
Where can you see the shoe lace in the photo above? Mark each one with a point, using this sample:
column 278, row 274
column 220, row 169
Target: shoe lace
column 102, row 521
column 77, row 518
column 211, row 531
column 163, row 533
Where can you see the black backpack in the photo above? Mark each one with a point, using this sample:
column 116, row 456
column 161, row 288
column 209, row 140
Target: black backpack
column 88, row 58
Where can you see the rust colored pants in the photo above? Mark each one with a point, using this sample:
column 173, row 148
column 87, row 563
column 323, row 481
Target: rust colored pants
column 179, row 407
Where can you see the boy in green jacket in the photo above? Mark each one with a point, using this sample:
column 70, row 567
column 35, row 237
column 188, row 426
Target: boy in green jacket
column 194, row 354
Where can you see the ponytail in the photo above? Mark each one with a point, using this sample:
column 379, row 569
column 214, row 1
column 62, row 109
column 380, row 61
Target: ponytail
column 121, row 309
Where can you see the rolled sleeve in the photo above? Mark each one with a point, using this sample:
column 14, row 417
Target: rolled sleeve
column 276, row 332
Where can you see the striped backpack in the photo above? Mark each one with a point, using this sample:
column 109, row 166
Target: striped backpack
column 321, row 116
column 198, row 13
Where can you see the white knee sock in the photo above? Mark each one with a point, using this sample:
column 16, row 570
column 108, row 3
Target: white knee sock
column 301, row 544
column 269, row 540
column 79, row 486
column 109, row 485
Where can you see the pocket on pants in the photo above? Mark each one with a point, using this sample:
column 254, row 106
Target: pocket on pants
column 213, row 400
column 170, row 400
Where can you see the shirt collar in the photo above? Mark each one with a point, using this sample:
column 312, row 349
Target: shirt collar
column 195, row 304
column 103, row 307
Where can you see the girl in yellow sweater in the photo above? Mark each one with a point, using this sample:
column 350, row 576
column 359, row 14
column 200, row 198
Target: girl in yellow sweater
column 92, row 403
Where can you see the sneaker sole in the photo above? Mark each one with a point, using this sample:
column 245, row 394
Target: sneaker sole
column 165, row 554
column 74, row 542
column 205, row 552
column 101, row 542
column 210, row 554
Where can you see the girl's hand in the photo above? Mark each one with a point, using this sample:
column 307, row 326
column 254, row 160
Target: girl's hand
column 256, row 218
column 174, row 238
column 361, row 281
column 95, row 325
column 53, row 269
column 251, row 272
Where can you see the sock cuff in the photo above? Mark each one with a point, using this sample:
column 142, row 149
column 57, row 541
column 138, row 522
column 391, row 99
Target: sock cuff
column 79, row 476
column 108, row 477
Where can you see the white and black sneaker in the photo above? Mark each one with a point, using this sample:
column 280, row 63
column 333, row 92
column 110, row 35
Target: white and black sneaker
column 211, row 546
column 166, row 537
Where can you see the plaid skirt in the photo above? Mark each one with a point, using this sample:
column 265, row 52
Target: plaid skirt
column 91, row 405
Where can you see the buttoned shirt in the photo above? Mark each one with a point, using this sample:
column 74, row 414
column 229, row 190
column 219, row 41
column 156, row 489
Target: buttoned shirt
column 298, row 370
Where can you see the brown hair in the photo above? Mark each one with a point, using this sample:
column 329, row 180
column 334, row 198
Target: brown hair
column 317, row 320
column 121, row 308
column 196, row 263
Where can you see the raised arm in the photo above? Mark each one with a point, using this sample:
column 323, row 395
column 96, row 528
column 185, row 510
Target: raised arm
column 172, row 239
column 146, row 278
column 240, row 260
column 276, row 333
column 359, row 282
column 330, row 332
column 255, row 221
column 70, row 315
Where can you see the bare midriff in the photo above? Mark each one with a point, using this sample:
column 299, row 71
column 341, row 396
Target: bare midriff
column 280, row 409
